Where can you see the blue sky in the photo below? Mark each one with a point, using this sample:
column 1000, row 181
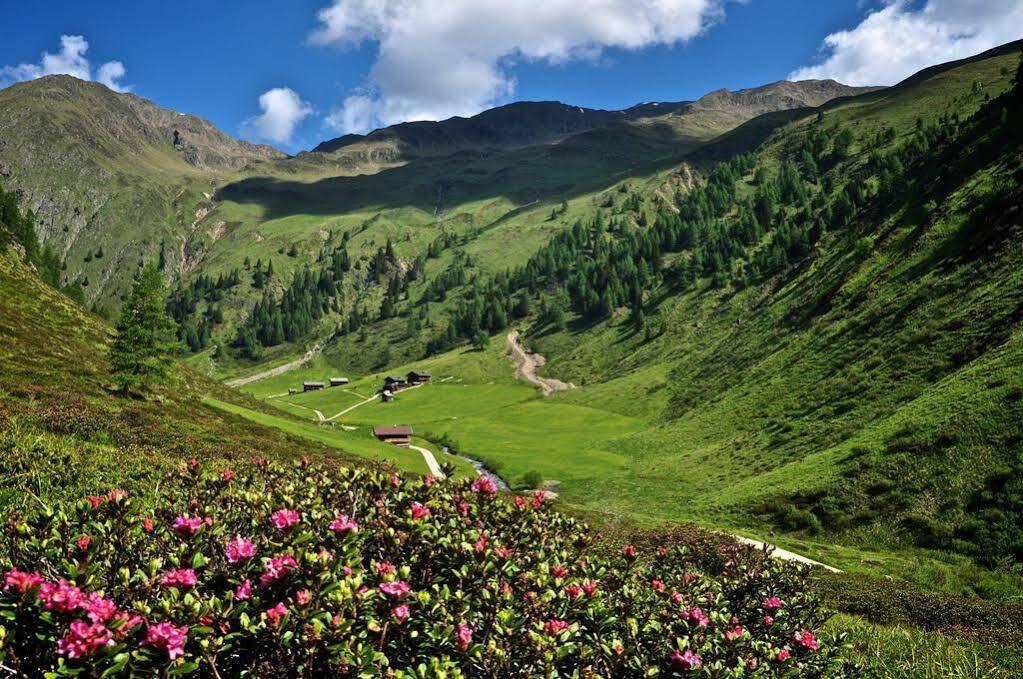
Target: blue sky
column 294, row 73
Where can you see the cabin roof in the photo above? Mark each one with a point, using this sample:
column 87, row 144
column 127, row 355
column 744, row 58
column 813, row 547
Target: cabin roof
column 395, row 430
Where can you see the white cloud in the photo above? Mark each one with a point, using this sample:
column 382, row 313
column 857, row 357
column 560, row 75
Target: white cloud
column 356, row 115
column 903, row 37
column 440, row 58
column 282, row 110
column 71, row 60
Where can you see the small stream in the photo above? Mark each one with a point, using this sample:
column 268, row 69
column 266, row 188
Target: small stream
column 481, row 469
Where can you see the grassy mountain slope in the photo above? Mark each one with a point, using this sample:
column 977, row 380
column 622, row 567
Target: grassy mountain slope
column 128, row 192
column 107, row 178
column 867, row 393
column 62, row 433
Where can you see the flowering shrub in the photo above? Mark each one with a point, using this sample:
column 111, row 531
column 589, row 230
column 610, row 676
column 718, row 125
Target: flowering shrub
column 277, row 572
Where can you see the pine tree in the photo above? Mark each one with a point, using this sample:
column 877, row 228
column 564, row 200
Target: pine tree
column 141, row 352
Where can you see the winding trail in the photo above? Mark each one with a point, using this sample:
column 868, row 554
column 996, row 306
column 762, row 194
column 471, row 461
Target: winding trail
column 431, row 461
column 279, row 370
column 526, row 364
column 784, row 554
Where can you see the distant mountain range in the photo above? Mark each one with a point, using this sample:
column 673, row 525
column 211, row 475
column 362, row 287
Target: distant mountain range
column 117, row 173
column 528, row 123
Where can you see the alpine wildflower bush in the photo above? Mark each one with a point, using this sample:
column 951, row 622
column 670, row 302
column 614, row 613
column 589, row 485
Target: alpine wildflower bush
column 312, row 570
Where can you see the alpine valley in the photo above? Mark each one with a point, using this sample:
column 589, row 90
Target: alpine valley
column 790, row 314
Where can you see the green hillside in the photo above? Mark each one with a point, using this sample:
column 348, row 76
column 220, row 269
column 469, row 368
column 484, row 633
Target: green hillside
column 843, row 371
column 64, row 434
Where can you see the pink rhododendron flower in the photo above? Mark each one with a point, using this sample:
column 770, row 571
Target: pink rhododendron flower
column 384, row 568
column 629, row 551
column 687, row 660
column 559, row 571
column 400, row 613
column 419, row 511
column 773, row 603
column 395, row 590
column 485, row 484
column 677, row 597
column 94, row 500
column 239, row 549
column 276, row 613
column 116, row 495
column 186, row 525
column 99, row 609
column 83, row 639
column 768, row 620
column 243, row 592
column 285, row 518
column 125, row 624
column 538, row 499
column 164, row 636
column 734, row 633
column 520, row 503
column 83, row 542
column 481, row 544
column 463, row 508
column 277, row 568
column 60, row 596
column 695, row 616
column 573, row 591
column 227, row 474
column 303, row 597
column 464, row 634
column 589, row 588
column 783, row 655
column 555, row 627
column 806, row 640
column 147, row 524
column 503, row 552
column 20, row 581
column 657, row 585
column 181, row 578
column 344, row 524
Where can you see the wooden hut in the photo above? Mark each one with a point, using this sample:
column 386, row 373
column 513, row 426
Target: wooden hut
column 338, row 381
column 418, row 377
column 312, row 386
column 399, row 435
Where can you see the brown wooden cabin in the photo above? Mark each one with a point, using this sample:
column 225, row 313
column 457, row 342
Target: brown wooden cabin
column 386, row 396
column 399, row 435
column 395, row 383
column 417, row 377
column 312, row 386
column 338, row 381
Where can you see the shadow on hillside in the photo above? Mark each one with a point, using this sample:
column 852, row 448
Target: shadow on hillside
column 583, row 164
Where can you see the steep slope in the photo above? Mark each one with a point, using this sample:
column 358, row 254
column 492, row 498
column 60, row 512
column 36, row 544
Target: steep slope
column 62, row 434
column 110, row 173
column 820, row 335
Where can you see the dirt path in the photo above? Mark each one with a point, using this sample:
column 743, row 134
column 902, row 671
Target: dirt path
column 351, row 408
column 526, row 364
column 274, row 372
column 431, row 461
column 786, row 555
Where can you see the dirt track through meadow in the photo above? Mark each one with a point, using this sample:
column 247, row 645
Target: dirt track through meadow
column 526, row 364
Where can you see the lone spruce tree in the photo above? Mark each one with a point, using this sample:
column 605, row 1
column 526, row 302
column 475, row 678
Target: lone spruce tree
column 141, row 352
